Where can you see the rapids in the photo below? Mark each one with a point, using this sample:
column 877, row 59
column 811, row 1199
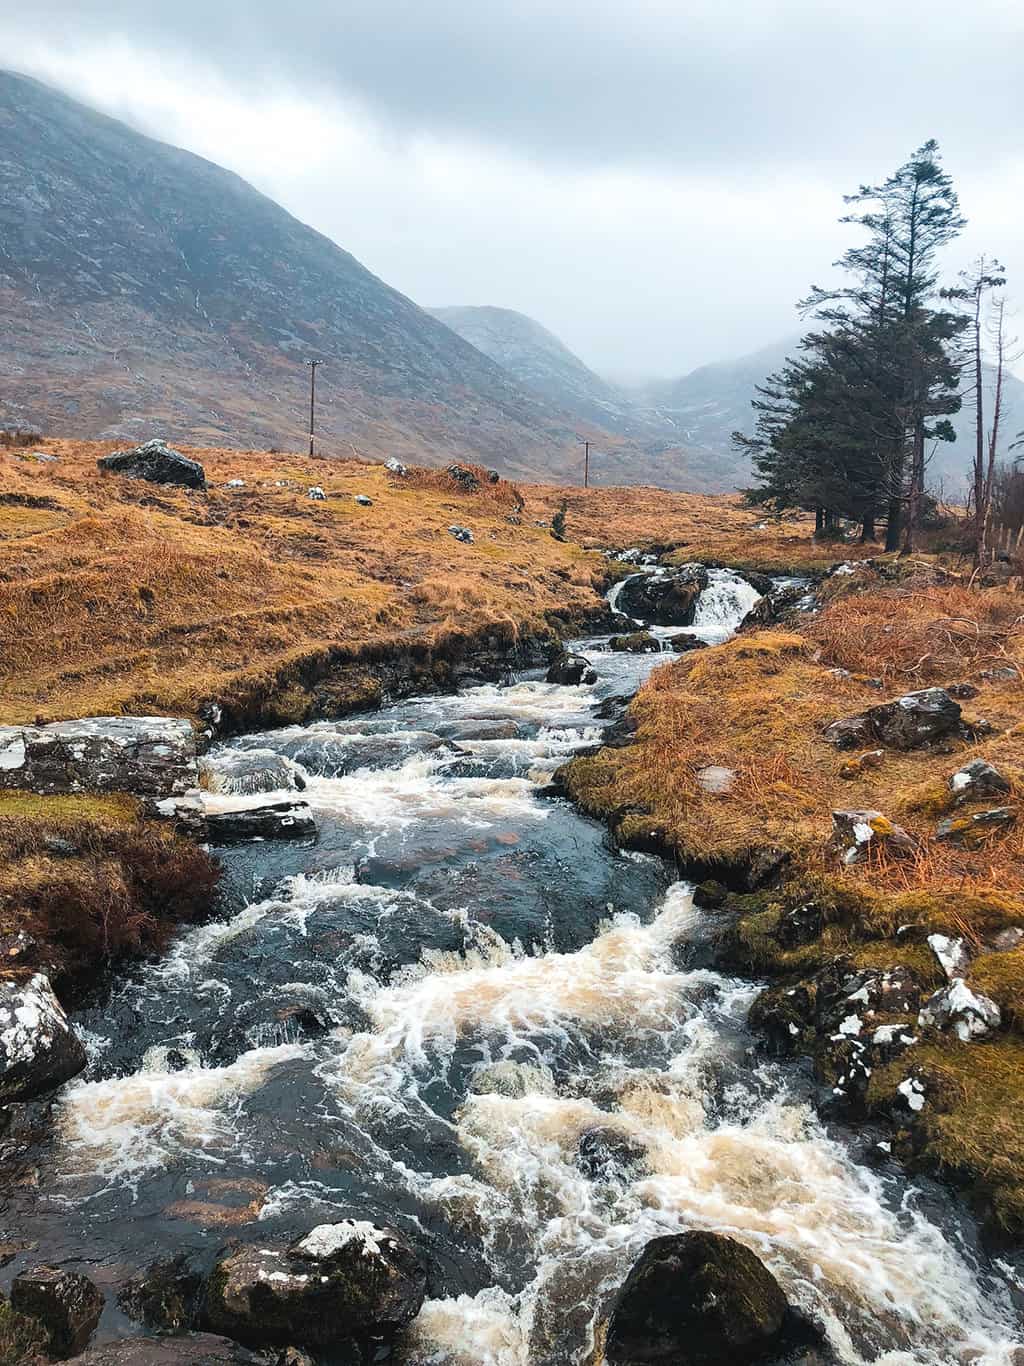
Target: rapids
column 338, row 1044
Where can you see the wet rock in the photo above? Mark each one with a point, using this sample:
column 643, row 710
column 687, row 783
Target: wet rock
column 316, row 494
column 197, row 1349
column 701, row 1299
column 978, row 781
column 39, row 1050
column 332, row 753
column 684, row 642
column 957, row 1008
column 971, row 830
column 635, row 643
column 716, row 780
column 466, row 731
column 152, row 756
column 461, row 533
column 571, row 670
column 290, row 820
column 66, row 1304
column 710, row 894
column 775, row 605
column 908, row 722
column 513, row 1079
column 158, row 463
column 165, row 1298
column 250, row 771
column 952, row 955
column 465, row 478
column 606, row 1154
column 666, row 599
column 853, row 768
column 340, row 1284
column 395, row 467
column 854, row 833
column 784, row 1018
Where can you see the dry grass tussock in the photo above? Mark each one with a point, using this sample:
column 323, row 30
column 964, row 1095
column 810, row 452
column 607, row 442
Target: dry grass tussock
column 90, row 882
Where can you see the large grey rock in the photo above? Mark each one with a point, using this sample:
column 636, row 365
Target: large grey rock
column 250, row 771
column 332, row 753
column 67, row 1306
column 38, row 1047
column 197, row 1349
column 570, row 670
column 665, row 599
column 701, row 1299
column 338, row 1285
column 289, row 820
column 157, row 462
column 908, row 722
column 154, row 756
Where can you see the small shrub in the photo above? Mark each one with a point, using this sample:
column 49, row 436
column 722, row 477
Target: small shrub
column 558, row 523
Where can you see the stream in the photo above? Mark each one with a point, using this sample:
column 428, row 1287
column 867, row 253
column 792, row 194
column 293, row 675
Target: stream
column 462, row 1011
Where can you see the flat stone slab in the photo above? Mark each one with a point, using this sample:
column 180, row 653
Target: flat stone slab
column 154, row 756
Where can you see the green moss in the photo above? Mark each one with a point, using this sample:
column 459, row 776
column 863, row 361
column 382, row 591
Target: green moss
column 22, row 1339
column 57, row 813
column 1001, row 976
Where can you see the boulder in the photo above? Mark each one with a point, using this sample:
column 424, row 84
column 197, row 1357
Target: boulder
column 957, row 1008
column 461, row 533
column 196, row 1349
column 396, row 468
column 340, row 1284
column 665, row 599
column 68, row 1306
column 38, row 1047
column 363, row 501
column 635, row 643
column 970, row 831
column 316, row 494
column 465, row 478
column 854, row 833
column 332, row 753
column 701, row 1299
column 683, row 642
column 157, row 462
column 249, row 771
column 165, row 1298
column 978, row 781
column 152, row 756
column 908, row 722
column 289, row 820
column 571, row 670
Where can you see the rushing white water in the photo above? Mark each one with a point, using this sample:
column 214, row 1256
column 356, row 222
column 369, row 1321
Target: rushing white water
column 516, row 1060
column 719, row 609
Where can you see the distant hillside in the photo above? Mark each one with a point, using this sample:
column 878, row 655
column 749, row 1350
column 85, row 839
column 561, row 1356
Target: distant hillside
column 145, row 290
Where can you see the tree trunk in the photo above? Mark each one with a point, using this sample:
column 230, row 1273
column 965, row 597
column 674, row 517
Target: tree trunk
column 867, row 531
column 892, row 530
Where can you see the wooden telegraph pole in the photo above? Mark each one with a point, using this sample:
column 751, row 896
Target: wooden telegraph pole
column 586, row 461
column 312, row 398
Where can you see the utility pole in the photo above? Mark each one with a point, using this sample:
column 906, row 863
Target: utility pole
column 312, row 398
column 586, row 461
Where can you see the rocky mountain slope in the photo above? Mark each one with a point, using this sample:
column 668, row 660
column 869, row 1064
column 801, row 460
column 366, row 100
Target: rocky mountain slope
column 146, row 291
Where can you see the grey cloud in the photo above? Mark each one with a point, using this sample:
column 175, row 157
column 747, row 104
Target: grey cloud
column 691, row 84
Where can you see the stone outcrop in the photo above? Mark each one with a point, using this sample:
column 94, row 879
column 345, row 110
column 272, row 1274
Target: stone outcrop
column 978, row 781
column 249, row 772
column 702, row 1299
column 337, row 1286
column 854, row 833
column 153, row 756
column 958, row 1009
column 39, row 1050
column 908, row 722
column 158, row 463
column 67, row 1306
column 165, row 1298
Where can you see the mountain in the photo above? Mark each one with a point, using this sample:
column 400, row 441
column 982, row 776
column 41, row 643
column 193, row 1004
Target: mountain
column 537, row 360
column 146, row 291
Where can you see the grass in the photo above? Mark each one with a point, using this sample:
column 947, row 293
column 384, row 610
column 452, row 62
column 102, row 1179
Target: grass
column 90, row 881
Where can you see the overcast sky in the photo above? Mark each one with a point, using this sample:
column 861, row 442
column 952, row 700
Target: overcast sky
column 656, row 181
